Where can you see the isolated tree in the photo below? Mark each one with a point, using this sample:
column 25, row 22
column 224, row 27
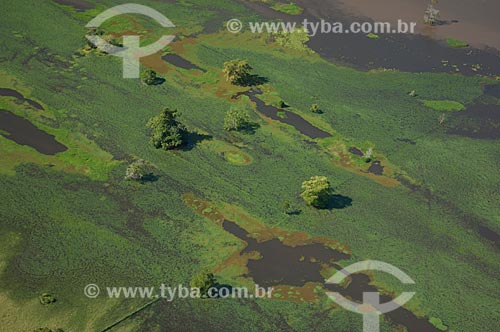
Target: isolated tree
column 317, row 191
column 237, row 71
column 286, row 207
column 289, row 209
column 148, row 76
column 431, row 15
column 137, row 170
column 315, row 109
column 442, row 119
column 204, row 281
column 282, row 104
column 236, row 120
column 47, row 298
column 166, row 132
column 368, row 155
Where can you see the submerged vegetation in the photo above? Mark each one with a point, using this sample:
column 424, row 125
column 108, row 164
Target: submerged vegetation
column 288, row 8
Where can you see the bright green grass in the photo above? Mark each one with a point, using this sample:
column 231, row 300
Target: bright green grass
column 288, row 8
column 444, row 105
column 373, row 36
column 456, row 43
column 237, row 158
column 438, row 323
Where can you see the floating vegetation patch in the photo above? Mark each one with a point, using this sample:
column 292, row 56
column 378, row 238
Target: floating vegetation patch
column 288, row 8
column 444, row 105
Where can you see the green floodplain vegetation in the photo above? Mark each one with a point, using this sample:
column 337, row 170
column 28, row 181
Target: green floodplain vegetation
column 70, row 219
column 456, row 43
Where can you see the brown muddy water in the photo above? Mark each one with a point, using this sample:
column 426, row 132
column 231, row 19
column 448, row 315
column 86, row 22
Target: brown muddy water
column 6, row 92
column 23, row 132
column 79, row 5
column 376, row 168
column 180, row 62
column 290, row 118
column 473, row 21
column 405, row 52
column 280, row 264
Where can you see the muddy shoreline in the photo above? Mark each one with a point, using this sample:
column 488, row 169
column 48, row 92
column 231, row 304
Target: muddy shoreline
column 279, row 264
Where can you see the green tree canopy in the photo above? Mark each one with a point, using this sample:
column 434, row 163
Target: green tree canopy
column 137, row 170
column 236, row 120
column 315, row 109
column 166, row 132
column 148, row 76
column 317, row 191
column 237, row 71
column 204, row 281
column 296, row 40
